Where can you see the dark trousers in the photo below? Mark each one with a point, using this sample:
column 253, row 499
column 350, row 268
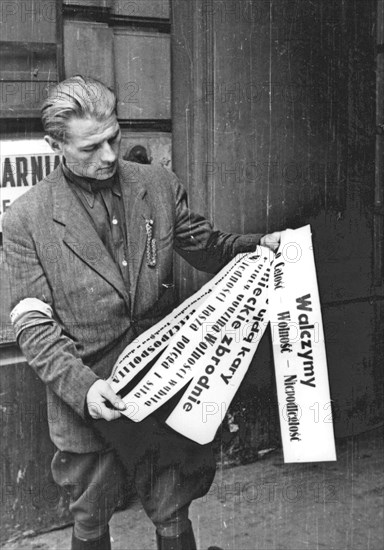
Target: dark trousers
column 169, row 472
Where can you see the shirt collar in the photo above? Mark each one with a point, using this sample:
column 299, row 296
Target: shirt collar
column 90, row 187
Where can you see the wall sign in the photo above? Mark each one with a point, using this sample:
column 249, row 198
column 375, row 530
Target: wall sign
column 23, row 163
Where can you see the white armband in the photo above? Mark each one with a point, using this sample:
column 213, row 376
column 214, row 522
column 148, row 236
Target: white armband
column 29, row 305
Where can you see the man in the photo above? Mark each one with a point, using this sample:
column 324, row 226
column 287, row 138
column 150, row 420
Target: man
column 89, row 250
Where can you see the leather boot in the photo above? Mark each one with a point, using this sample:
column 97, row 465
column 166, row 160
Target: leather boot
column 185, row 541
column 102, row 543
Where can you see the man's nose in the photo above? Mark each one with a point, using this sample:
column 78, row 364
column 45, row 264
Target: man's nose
column 107, row 154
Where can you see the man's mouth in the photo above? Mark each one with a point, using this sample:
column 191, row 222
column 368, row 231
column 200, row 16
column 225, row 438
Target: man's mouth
column 107, row 171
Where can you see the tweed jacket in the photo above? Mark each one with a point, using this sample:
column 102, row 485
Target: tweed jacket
column 54, row 253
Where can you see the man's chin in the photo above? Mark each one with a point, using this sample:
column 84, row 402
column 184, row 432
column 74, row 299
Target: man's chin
column 104, row 174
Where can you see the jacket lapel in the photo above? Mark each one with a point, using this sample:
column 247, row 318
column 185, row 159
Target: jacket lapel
column 137, row 211
column 81, row 236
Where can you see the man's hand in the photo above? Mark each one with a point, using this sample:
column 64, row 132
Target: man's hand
column 99, row 395
column 271, row 241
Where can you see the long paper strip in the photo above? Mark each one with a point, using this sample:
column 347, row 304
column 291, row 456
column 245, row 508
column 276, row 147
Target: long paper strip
column 193, row 345
column 299, row 352
column 208, row 342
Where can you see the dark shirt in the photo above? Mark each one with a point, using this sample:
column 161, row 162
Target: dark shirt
column 103, row 203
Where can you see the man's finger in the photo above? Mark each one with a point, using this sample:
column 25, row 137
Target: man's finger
column 99, row 410
column 109, row 414
column 271, row 241
column 114, row 399
column 94, row 410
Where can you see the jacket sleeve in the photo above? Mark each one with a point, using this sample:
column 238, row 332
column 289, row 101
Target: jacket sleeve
column 200, row 244
column 51, row 354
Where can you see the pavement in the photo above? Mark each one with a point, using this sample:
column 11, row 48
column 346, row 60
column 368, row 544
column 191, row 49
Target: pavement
column 269, row 505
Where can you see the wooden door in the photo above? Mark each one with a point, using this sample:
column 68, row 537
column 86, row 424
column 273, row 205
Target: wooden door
column 274, row 127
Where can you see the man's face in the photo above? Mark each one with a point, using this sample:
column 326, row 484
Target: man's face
column 92, row 147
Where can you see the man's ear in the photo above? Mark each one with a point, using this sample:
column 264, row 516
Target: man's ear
column 55, row 145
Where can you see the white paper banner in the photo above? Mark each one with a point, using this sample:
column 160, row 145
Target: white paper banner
column 209, row 341
column 148, row 345
column 220, row 372
column 194, row 335
column 299, row 352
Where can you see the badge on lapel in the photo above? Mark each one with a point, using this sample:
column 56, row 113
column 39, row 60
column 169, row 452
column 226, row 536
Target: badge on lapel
column 151, row 244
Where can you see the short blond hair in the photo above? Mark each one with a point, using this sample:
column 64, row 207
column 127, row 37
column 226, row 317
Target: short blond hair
column 76, row 97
